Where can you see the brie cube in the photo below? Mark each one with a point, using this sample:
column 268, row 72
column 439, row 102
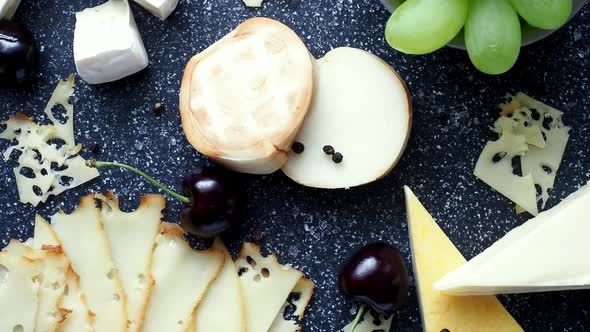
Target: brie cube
column 160, row 8
column 107, row 44
column 8, row 8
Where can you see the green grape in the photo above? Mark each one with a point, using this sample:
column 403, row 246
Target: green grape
column 544, row 14
column 423, row 26
column 492, row 35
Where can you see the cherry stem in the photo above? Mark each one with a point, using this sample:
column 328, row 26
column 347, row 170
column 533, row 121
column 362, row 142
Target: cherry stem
column 359, row 314
column 98, row 164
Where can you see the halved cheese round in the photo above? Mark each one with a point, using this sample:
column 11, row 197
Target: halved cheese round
column 243, row 99
column 362, row 109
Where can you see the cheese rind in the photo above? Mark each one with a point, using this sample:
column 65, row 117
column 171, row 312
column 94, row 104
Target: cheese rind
column 160, row 8
column 107, row 43
column 523, row 261
column 433, row 255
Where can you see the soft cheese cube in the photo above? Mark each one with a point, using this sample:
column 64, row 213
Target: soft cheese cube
column 160, row 8
column 107, row 44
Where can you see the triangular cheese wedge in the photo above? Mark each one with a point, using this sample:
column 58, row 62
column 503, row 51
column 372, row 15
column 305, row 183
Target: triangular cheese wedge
column 298, row 300
column 182, row 276
column 371, row 322
column 523, row 261
column 87, row 248
column 266, row 285
column 131, row 239
column 223, row 299
column 433, row 255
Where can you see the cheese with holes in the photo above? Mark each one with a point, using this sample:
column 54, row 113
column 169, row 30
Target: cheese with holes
column 298, row 300
column 85, row 244
column 160, row 8
column 223, row 299
column 131, row 238
column 524, row 260
column 266, row 285
column 44, row 168
column 182, row 276
column 371, row 322
column 433, row 255
column 107, row 44
column 18, row 292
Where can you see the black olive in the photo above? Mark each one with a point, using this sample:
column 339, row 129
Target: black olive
column 18, row 54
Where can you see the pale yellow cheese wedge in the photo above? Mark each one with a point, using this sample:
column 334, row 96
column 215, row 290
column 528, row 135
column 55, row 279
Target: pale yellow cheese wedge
column 222, row 308
column 266, row 285
column 131, row 239
column 303, row 291
column 182, row 276
column 87, row 248
column 434, row 255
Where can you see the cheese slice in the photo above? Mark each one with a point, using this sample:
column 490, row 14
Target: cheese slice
column 160, row 8
column 223, row 299
column 433, row 255
column 18, row 292
column 107, row 43
column 131, row 239
column 182, row 276
column 287, row 321
column 87, row 248
column 523, row 262
column 371, row 322
column 8, row 8
column 78, row 317
column 266, row 285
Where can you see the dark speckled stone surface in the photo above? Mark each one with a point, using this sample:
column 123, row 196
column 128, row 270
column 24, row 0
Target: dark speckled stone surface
column 316, row 229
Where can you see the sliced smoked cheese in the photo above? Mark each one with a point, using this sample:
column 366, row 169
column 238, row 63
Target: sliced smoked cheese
column 297, row 302
column 433, row 255
column 131, row 238
column 243, row 99
column 224, row 299
column 182, row 276
column 266, row 285
column 86, row 246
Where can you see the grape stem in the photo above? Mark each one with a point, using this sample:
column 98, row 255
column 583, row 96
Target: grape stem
column 98, row 164
column 357, row 319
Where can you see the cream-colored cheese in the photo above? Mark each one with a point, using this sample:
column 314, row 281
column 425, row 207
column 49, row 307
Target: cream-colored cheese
column 160, row 8
column 302, row 292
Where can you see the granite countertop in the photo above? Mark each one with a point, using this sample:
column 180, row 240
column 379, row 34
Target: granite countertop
column 313, row 229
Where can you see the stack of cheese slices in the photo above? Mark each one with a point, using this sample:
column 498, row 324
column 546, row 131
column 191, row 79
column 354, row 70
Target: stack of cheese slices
column 104, row 270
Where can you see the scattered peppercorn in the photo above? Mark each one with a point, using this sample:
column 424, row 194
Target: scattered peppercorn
column 337, row 157
column 298, row 147
column 328, row 149
column 159, row 108
column 95, row 149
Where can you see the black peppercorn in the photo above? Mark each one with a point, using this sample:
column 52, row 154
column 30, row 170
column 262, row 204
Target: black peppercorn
column 159, row 108
column 95, row 149
column 328, row 149
column 337, row 157
column 298, row 147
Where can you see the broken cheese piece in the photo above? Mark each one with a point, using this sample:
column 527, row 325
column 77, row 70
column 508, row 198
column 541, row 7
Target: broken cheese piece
column 299, row 298
column 253, row 3
column 131, row 238
column 434, row 255
column 86, row 246
column 160, row 8
column 182, row 276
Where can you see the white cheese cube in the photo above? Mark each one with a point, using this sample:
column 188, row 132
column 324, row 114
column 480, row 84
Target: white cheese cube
column 107, row 44
column 160, row 8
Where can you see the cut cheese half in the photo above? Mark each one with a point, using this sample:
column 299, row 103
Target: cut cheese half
column 522, row 262
column 243, row 99
column 266, row 285
column 18, row 292
column 362, row 109
column 182, row 276
column 372, row 322
column 131, row 238
column 87, row 248
column 433, row 255
column 291, row 314
column 223, row 300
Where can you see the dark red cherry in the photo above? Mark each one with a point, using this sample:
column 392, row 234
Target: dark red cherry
column 376, row 275
column 18, row 54
column 214, row 202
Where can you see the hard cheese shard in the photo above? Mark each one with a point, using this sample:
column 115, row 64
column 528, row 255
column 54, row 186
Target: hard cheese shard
column 371, row 323
column 433, row 255
column 86, row 246
column 160, row 8
column 182, row 276
column 266, row 285
column 297, row 302
column 223, row 299
column 51, row 169
column 523, row 262
column 131, row 238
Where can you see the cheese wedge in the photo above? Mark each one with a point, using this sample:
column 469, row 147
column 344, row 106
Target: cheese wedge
column 223, row 299
column 18, row 292
column 131, row 238
column 371, row 322
column 266, row 285
column 87, row 248
column 299, row 299
column 523, row 262
column 433, row 255
column 182, row 276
